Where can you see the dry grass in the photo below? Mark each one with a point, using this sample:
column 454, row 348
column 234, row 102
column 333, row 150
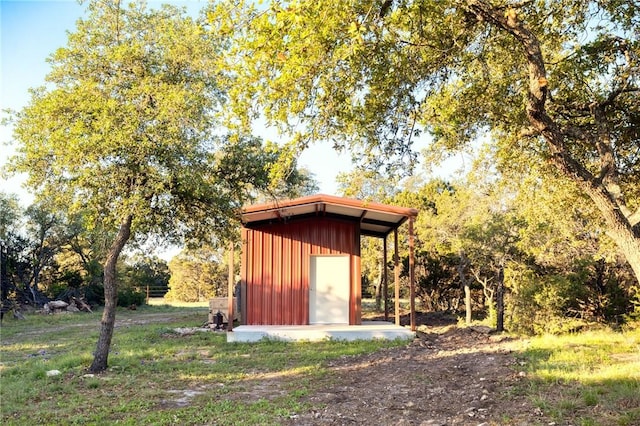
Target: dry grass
column 161, row 301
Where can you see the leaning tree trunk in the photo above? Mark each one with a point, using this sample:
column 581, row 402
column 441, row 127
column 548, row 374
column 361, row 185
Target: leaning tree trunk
column 620, row 227
column 110, row 298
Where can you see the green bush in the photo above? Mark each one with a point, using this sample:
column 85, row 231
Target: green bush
column 634, row 315
column 538, row 304
column 556, row 301
column 130, row 296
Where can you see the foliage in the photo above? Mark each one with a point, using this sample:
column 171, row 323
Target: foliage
column 49, row 255
column 10, row 214
column 77, row 277
column 573, row 269
column 448, row 213
column 125, row 133
column 366, row 184
column 197, row 275
column 560, row 272
column 438, row 286
column 634, row 315
column 146, row 274
column 129, row 296
column 12, row 245
column 371, row 259
column 45, row 231
column 30, row 240
column 552, row 81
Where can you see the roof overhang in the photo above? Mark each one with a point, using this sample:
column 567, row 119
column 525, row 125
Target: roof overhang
column 375, row 219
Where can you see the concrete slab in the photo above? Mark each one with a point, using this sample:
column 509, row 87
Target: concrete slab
column 369, row 330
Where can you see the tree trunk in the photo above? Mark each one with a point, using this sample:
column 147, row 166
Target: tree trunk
column 467, row 302
column 619, row 229
column 500, row 301
column 619, row 226
column 466, row 286
column 110, row 298
column 379, row 285
column 4, row 276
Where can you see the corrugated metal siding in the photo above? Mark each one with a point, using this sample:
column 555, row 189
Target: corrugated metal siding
column 275, row 268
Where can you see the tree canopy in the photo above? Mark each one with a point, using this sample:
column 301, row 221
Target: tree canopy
column 198, row 275
column 125, row 126
column 556, row 82
column 126, row 133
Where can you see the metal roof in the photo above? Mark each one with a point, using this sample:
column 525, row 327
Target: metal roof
column 375, row 219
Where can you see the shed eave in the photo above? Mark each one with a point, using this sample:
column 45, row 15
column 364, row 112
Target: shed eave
column 374, row 214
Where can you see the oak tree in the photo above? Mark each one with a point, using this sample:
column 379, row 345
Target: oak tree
column 556, row 80
column 125, row 132
column 198, row 275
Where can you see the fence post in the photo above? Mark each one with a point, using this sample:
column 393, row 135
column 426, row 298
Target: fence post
column 230, row 289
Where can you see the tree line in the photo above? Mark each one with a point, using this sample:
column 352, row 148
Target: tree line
column 521, row 255
column 480, row 241
column 47, row 256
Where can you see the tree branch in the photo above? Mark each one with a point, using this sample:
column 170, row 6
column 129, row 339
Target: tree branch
column 605, row 193
column 634, row 218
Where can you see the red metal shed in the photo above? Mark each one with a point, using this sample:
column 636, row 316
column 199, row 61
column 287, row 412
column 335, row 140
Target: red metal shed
column 301, row 258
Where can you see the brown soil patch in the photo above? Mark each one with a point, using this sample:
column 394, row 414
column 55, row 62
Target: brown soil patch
column 447, row 376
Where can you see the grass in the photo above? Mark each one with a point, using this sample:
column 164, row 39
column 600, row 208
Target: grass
column 590, row 378
column 155, row 376
column 159, row 377
column 161, row 301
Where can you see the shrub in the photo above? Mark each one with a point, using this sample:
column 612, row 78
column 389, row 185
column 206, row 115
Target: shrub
column 130, row 296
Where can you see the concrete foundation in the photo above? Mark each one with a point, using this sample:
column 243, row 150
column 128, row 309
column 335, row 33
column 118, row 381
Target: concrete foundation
column 369, row 330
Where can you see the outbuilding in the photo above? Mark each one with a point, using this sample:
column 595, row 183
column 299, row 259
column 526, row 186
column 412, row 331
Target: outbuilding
column 300, row 263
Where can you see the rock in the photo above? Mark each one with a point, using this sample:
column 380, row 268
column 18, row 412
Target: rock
column 52, row 373
column 186, row 331
column 72, row 308
column 57, row 304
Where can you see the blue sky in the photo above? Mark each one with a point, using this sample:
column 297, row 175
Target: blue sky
column 30, row 31
column 33, row 30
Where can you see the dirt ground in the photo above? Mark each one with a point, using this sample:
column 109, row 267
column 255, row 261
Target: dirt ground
column 446, row 376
